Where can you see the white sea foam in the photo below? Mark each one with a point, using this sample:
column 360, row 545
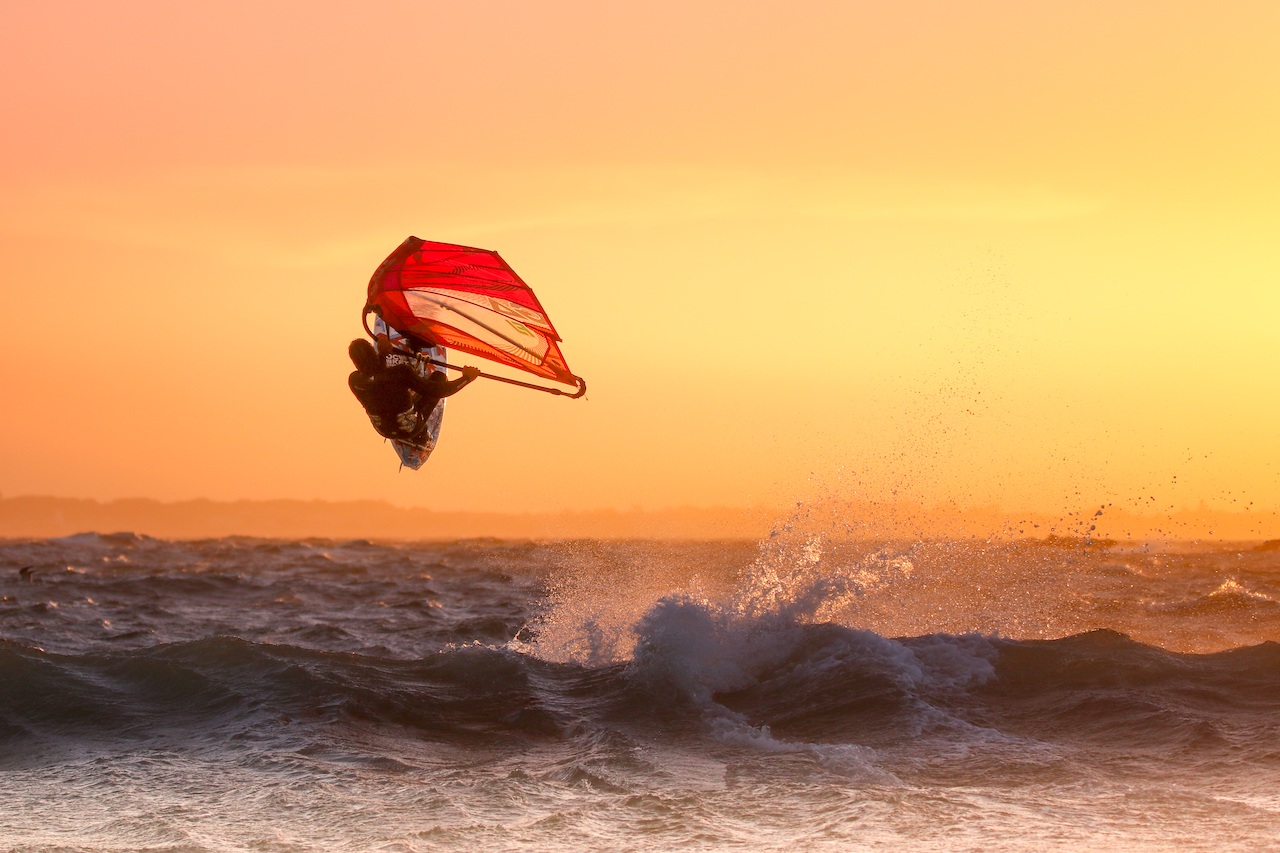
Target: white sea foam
column 249, row 694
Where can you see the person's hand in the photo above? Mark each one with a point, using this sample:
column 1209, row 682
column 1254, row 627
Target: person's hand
column 470, row 373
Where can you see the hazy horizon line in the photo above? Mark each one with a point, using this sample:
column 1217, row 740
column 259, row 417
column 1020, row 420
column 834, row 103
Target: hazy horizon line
column 48, row 516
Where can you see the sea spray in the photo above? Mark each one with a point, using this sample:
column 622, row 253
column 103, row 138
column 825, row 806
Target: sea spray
column 812, row 691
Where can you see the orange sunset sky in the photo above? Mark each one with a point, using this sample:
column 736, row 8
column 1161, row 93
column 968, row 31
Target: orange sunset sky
column 1009, row 253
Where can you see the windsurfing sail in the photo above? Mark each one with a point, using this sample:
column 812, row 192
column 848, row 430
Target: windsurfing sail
column 468, row 300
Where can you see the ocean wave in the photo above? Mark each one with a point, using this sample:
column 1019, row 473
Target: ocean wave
column 1230, row 597
column 837, row 652
column 121, row 539
column 797, row 687
column 209, row 688
column 836, row 684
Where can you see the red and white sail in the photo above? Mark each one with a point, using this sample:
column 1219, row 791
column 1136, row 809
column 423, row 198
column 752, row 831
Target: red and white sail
column 468, row 300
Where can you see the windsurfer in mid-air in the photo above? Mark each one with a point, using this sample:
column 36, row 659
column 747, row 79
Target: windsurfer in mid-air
column 426, row 295
column 397, row 400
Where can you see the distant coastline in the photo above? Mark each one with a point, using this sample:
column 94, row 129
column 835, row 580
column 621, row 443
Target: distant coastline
column 291, row 519
column 35, row 516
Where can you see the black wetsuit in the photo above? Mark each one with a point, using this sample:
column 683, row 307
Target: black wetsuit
column 398, row 400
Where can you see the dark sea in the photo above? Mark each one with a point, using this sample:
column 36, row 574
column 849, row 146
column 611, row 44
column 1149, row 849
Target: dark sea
column 796, row 693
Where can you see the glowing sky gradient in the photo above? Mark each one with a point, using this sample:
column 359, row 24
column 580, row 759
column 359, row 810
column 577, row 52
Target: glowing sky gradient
column 993, row 252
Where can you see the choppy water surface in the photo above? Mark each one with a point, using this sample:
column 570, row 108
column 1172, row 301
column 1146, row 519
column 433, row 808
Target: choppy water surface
column 240, row 694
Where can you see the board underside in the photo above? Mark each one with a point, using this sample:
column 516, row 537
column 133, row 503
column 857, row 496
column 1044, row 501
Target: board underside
column 414, row 456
